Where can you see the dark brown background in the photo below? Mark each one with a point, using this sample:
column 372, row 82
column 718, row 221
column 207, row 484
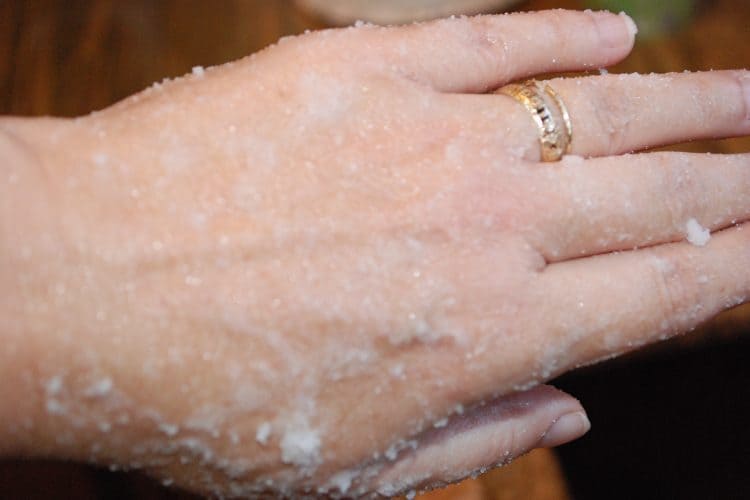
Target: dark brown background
column 668, row 423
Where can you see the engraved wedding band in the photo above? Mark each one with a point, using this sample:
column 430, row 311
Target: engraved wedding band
column 548, row 111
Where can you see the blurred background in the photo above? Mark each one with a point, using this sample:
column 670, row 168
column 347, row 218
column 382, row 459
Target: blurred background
column 668, row 422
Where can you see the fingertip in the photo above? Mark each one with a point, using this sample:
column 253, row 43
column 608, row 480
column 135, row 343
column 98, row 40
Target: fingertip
column 615, row 31
column 631, row 25
column 564, row 429
column 743, row 77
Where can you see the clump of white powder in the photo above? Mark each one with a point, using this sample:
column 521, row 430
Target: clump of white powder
column 169, row 429
column 54, row 407
column 198, row 71
column 263, row 433
column 193, row 281
column 300, row 446
column 100, row 159
column 342, row 480
column 697, row 234
column 54, row 385
column 398, row 371
column 440, row 423
column 99, row 388
column 234, row 438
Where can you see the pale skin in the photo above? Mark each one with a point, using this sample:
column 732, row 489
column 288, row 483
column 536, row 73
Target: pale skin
column 338, row 266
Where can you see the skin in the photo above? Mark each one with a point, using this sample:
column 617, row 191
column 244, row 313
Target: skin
column 338, row 267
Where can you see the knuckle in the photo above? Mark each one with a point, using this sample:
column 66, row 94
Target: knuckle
column 612, row 114
column 717, row 96
column 707, row 107
column 481, row 39
column 482, row 202
column 590, row 20
column 314, row 48
column 739, row 81
column 488, row 45
column 558, row 25
column 674, row 284
column 676, row 175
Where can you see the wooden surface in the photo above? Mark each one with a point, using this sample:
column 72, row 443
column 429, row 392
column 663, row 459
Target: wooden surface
column 69, row 57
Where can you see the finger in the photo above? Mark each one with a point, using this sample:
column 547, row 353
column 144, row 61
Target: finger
column 485, row 436
column 619, row 203
column 480, row 53
column 605, row 305
column 614, row 114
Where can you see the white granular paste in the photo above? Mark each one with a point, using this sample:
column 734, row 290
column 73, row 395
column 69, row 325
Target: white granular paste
column 263, row 433
column 697, row 234
column 300, row 446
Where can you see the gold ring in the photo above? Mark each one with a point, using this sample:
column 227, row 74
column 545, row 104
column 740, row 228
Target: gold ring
column 547, row 110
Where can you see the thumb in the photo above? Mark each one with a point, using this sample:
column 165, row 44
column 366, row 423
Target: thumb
column 483, row 437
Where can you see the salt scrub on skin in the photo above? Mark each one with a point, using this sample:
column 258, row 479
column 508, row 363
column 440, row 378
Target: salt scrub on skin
column 341, row 481
column 54, row 385
column 263, row 433
column 697, row 234
column 169, row 429
column 99, row 388
column 300, row 446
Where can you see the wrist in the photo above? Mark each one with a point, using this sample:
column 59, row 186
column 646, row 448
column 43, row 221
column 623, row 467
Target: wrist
column 28, row 237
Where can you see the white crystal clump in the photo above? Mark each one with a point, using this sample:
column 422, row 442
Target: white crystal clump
column 263, row 433
column 697, row 234
column 300, row 446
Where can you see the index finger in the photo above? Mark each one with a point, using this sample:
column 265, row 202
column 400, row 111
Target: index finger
column 475, row 54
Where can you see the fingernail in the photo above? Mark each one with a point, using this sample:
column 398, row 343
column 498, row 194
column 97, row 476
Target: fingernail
column 566, row 428
column 614, row 30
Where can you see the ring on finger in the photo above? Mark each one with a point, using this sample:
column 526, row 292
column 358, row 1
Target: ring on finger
column 548, row 112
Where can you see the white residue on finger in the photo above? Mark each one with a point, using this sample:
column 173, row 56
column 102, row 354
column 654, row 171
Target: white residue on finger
column 263, row 433
column 300, row 444
column 99, row 388
column 697, row 234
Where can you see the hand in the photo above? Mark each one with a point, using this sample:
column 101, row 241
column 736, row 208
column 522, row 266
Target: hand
column 338, row 266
